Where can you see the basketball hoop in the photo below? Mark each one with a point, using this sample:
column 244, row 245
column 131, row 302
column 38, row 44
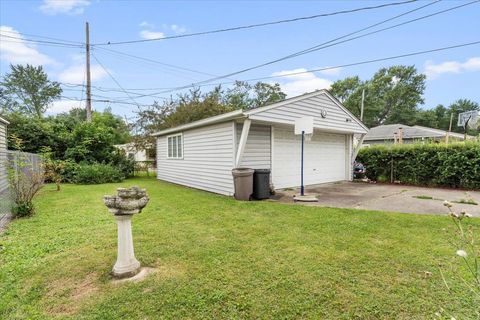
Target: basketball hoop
column 469, row 118
column 303, row 127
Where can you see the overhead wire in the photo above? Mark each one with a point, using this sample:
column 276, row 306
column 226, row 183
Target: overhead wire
column 339, row 66
column 263, row 24
column 327, row 45
column 115, row 80
column 39, row 41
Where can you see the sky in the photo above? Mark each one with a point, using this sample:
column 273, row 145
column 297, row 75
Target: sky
column 180, row 62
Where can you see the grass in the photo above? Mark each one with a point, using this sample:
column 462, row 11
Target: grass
column 219, row 258
column 467, row 201
column 423, row 197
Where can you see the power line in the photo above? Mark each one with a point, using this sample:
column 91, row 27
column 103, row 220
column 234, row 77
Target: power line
column 313, row 70
column 42, row 41
column 260, row 24
column 327, row 45
column 341, row 65
column 43, row 37
column 115, row 80
column 175, row 67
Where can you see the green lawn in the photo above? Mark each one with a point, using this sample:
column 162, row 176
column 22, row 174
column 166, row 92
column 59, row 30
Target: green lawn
column 219, row 258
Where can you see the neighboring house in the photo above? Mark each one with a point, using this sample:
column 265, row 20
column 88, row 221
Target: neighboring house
column 3, row 154
column 386, row 134
column 202, row 154
column 139, row 155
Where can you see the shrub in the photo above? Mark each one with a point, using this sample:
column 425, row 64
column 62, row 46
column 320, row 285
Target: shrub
column 96, row 173
column 455, row 165
column 125, row 165
column 25, row 179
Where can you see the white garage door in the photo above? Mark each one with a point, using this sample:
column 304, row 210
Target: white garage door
column 324, row 158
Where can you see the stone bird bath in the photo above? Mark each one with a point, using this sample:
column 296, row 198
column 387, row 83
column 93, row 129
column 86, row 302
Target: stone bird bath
column 124, row 205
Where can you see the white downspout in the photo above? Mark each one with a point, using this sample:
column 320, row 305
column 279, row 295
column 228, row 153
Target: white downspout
column 242, row 142
column 357, row 147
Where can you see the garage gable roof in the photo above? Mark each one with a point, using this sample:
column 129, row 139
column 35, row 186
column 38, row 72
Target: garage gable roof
column 337, row 116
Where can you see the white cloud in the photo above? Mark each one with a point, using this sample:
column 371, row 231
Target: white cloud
column 294, row 85
column 146, row 24
column 434, row 70
column 76, row 74
column 147, row 34
column 148, row 31
column 64, row 106
column 72, row 7
column 178, row 29
column 17, row 51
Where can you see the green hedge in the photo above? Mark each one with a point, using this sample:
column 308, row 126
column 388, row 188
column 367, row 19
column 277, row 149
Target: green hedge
column 92, row 173
column 456, row 165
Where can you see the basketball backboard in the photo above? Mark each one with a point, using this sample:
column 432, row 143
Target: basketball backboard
column 304, row 124
column 470, row 116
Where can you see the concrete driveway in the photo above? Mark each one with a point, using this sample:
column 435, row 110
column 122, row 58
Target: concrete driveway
column 397, row 198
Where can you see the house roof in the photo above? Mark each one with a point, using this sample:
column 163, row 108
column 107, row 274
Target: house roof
column 386, row 132
column 239, row 114
column 4, row 121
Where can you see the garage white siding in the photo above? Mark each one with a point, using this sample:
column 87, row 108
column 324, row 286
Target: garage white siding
column 336, row 118
column 325, row 158
column 208, row 158
column 257, row 149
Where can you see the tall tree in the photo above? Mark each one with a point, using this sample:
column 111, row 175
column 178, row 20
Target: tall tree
column 195, row 105
column 392, row 95
column 27, row 90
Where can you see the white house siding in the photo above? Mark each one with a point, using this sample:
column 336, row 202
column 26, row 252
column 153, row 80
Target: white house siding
column 208, row 159
column 3, row 156
column 335, row 120
column 325, row 158
column 257, row 149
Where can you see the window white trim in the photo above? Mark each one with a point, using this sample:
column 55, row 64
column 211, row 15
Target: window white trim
column 175, row 146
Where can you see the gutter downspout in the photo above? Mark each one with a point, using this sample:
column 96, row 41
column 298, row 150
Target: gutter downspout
column 243, row 141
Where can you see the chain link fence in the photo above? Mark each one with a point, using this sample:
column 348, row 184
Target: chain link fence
column 13, row 166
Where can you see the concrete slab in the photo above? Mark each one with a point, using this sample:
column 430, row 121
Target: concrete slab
column 384, row 197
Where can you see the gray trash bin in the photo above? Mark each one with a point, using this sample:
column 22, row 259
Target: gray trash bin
column 261, row 184
column 243, row 183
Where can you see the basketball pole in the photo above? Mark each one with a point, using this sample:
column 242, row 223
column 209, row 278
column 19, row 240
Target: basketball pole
column 302, row 188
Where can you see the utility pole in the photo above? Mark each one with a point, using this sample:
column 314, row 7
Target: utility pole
column 89, row 89
column 449, row 128
column 361, row 109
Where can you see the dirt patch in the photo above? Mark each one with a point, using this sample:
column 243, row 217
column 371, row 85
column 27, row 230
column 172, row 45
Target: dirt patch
column 169, row 271
column 69, row 293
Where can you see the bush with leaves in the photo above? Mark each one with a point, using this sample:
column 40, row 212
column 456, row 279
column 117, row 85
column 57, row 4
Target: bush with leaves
column 25, row 179
column 97, row 173
column 455, row 165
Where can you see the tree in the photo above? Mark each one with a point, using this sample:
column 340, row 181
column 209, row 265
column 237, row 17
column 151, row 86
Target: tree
column 392, row 95
column 439, row 117
column 245, row 96
column 27, row 90
column 195, row 105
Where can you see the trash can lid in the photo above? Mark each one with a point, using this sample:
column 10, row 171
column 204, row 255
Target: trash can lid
column 241, row 172
column 262, row 170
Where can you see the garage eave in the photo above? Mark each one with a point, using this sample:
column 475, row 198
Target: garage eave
column 237, row 114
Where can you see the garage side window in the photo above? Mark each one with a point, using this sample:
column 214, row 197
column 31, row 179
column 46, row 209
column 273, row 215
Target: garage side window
column 175, row 146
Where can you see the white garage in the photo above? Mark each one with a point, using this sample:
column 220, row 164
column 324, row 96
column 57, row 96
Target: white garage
column 202, row 154
column 324, row 156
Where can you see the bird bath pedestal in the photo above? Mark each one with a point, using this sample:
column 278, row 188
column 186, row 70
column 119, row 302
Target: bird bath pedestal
column 124, row 205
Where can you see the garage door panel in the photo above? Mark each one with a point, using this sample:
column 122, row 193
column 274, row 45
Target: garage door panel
column 324, row 159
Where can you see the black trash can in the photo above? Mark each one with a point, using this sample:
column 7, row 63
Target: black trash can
column 261, row 184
